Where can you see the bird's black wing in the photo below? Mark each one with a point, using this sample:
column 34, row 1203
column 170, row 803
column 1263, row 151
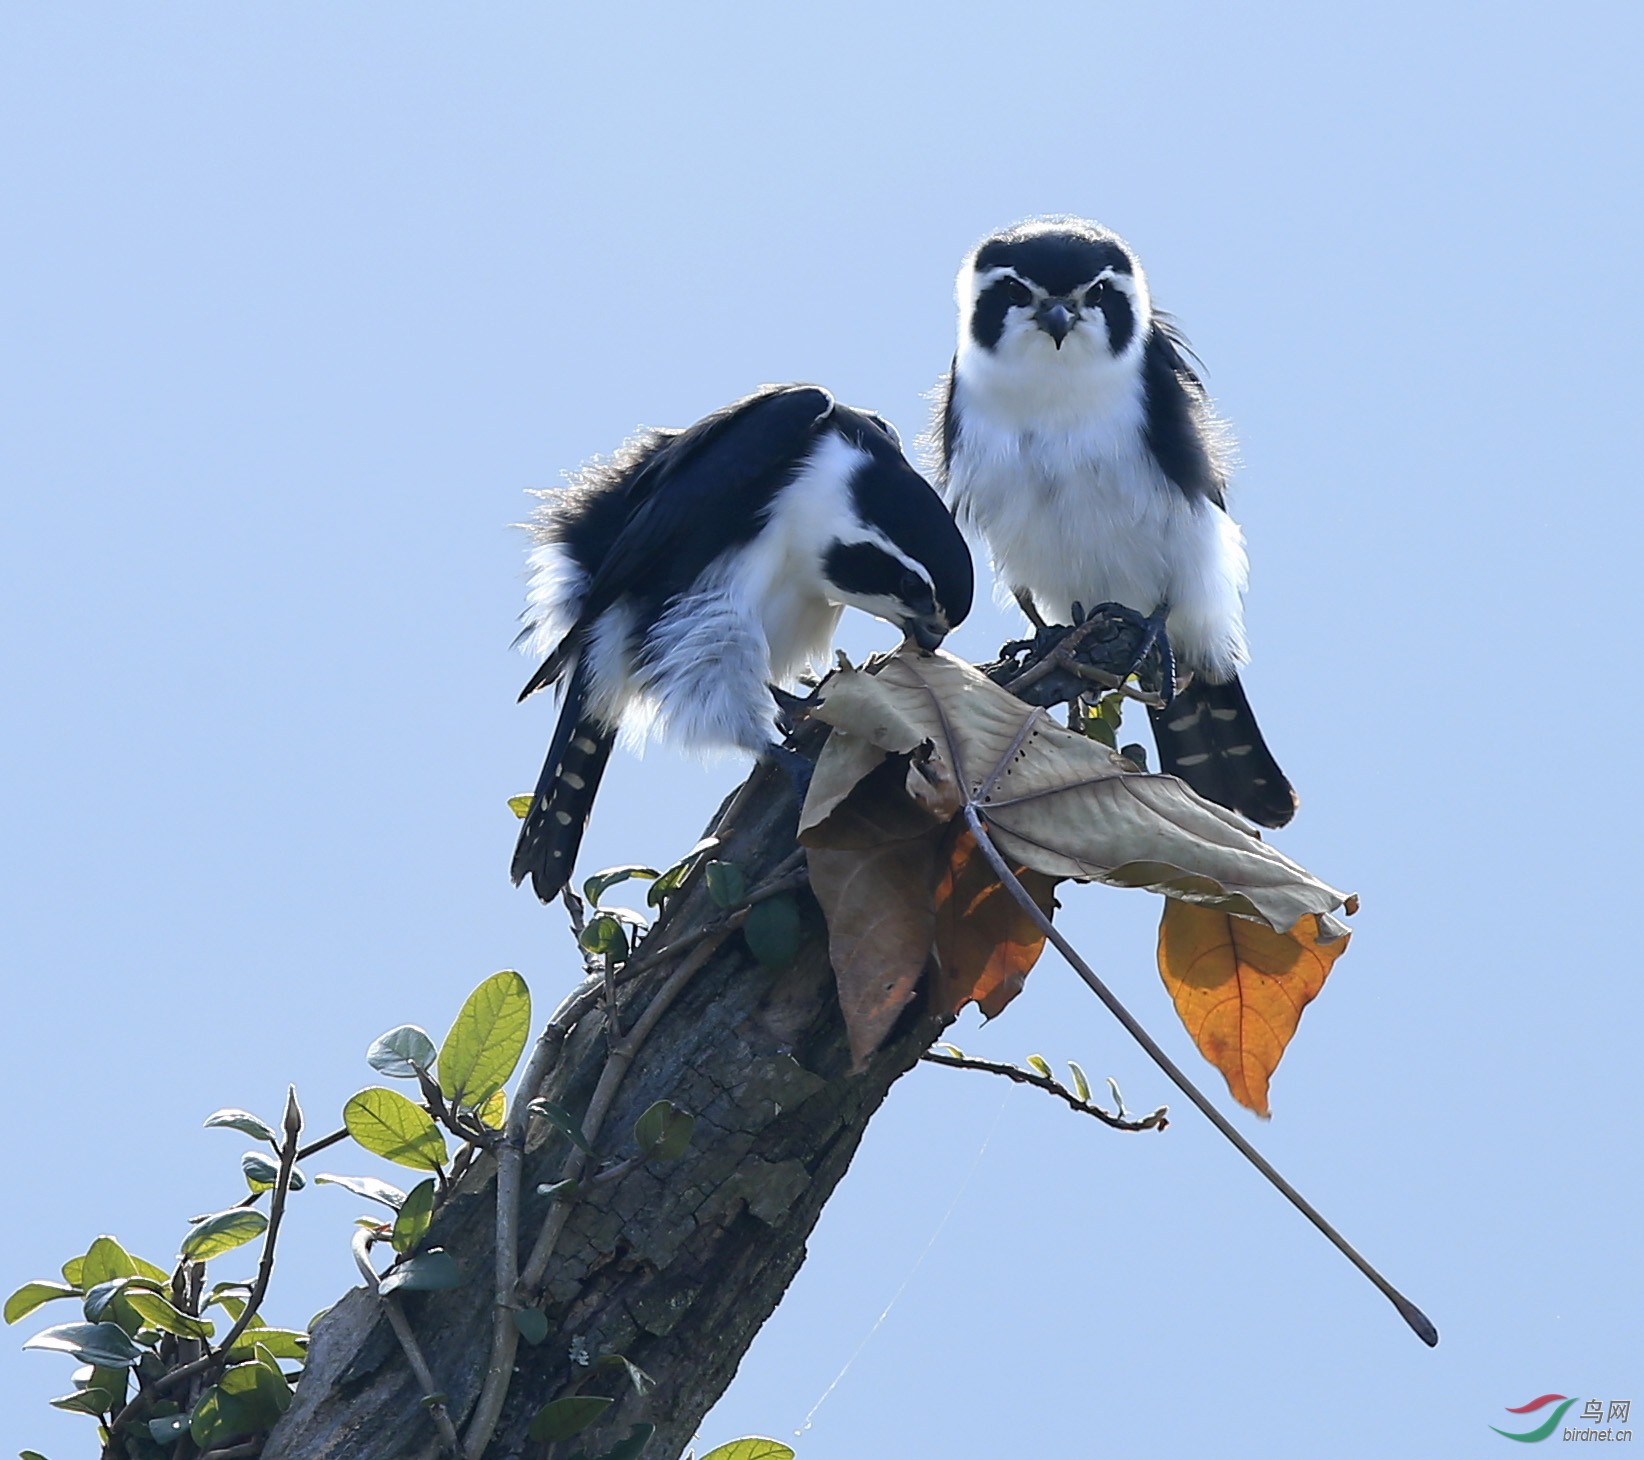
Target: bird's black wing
column 703, row 491
column 695, row 493
column 1178, row 421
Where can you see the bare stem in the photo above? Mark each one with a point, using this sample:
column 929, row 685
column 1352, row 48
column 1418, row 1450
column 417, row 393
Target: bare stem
column 510, row 1158
column 610, row 1080
column 1051, row 1086
column 1418, row 1321
column 413, row 1350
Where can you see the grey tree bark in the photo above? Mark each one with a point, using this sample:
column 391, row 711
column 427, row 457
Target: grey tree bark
column 675, row 1265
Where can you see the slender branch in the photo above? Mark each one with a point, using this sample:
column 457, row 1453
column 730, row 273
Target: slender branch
column 1051, row 1086
column 408, row 1341
column 499, row 1369
column 235, row 1452
column 610, row 1080
column 1418, row 1321
column 218, row 1357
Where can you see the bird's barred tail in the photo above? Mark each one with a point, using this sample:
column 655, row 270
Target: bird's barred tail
column 1209, row 737
column 553, row 827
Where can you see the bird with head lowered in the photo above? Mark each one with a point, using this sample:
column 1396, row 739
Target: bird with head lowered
column 676, row 583
column 1074, row 435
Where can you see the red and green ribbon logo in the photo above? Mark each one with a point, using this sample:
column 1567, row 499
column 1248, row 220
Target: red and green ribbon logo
column 1541, row 1431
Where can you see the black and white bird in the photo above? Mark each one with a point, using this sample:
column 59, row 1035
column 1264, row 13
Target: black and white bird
column 676, row 582
column 1076, row 438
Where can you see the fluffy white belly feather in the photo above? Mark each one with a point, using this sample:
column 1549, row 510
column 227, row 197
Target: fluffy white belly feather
column 1090, row 519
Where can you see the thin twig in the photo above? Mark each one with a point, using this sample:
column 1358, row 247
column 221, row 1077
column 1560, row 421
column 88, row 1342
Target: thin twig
column 1418, row 1321
column 610, row 1079
column 510, row 1158
column 413, row 1350
column 1051, row 1086
column 218, row 1357
column 235, row 1452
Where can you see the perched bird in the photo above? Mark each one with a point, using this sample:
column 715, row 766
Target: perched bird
column 1074, row 435
column 675, row 583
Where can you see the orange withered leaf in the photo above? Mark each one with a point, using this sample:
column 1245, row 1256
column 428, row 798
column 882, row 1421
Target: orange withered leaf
column 1240, row 987
column 985, row 943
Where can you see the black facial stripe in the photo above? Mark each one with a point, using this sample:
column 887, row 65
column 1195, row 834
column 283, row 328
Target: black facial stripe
column 1120, row 316
column 987, row 320
column 1058, row 262
column 863, row 567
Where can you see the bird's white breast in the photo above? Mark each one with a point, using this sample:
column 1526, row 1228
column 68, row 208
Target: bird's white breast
column 1075, row 509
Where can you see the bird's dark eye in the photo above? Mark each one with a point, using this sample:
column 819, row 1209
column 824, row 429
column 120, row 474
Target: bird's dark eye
column 912, row 588
column 1018, row 292
column 1094, row 297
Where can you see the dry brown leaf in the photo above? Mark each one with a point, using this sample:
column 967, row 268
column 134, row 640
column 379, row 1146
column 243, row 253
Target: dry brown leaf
column 872, row 868
column 1062, row 804
column 1240, row 987
column 985, row 943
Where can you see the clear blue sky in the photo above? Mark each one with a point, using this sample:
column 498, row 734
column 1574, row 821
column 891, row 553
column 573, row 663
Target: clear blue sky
column 296, row 303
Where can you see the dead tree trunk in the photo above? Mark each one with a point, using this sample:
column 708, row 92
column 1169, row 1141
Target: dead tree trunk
column 675, row 1265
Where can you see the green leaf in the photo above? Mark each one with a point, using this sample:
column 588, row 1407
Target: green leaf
column 630, row 1449
column 261, row 1174
column 168, row 1430
column 244, row 1122
column 85, row 1401
column 567, row 1123
column 485, row 1043
column 367, row 1186
column 116, row 1383
column 605, row 935
column 222, row 1232
column 150, row 1270
column 247, row 1399
column 411, row 1226
column 669, row 881
column 390, row 1126
column 595, row 888
column 493, row 1114
column 773, row 930
column 559, row 1419
column 532, row 1324
column 105, row 1260
column 425, row 1273
column 1118, row 1099
column 401, row 1052
column 753, row 1448
column 281, row 1343
column 106, row 1345
column 726, row 884
column 30, row 1455
column 158, row 1312
column 32, row 1295
column 1038, row 1064
column 1081, row 1086
column 664, row 1132
column 520, row 805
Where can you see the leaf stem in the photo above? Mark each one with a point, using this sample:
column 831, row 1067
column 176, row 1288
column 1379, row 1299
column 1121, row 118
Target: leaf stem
column 1418, row 1321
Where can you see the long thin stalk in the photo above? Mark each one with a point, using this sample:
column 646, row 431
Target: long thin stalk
column 1418, row 1321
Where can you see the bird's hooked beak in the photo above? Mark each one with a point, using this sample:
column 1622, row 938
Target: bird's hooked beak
column 1055, row 319
column 928, row 632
